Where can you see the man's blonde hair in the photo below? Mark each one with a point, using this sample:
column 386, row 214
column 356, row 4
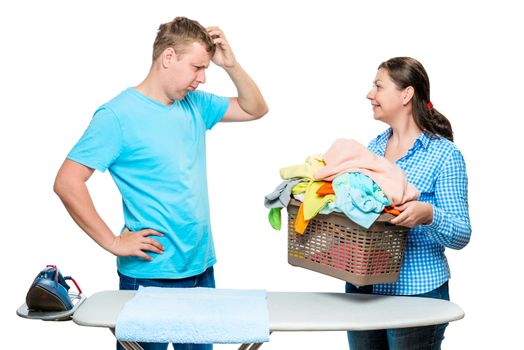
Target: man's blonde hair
column 178, row 34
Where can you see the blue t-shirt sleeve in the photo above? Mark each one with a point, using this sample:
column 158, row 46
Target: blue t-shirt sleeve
column 211, row 107
column 101, row 143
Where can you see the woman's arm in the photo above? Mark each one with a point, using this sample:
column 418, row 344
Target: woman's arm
column 448, row 220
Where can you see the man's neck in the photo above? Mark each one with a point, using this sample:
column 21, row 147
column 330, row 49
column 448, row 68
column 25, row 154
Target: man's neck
column 152, row 88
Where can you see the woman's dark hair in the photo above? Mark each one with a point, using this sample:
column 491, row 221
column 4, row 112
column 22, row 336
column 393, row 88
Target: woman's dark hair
column 407, row 71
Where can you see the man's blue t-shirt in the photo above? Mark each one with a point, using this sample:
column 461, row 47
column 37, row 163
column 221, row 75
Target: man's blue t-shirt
column 156, row 155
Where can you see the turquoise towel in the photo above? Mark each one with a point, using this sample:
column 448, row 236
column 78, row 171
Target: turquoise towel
column 195, row 315
column 359, row 197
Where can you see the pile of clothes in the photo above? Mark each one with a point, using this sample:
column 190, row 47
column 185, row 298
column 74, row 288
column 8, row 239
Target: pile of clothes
column 348, row 178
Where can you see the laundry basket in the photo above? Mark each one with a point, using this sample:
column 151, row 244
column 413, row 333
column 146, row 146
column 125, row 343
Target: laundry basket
column 336, row 246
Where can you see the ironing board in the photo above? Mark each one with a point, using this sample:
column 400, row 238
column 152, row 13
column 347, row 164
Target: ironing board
column 303, row 311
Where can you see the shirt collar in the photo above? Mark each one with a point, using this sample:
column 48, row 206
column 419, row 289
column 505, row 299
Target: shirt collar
column 422, row 140
column 382, row 141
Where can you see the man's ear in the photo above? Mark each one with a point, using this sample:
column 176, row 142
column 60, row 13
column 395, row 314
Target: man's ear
column 407, row 95
column 168, row 57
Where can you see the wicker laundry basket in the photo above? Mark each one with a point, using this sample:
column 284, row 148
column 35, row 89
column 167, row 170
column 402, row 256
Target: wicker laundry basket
column 336, row 246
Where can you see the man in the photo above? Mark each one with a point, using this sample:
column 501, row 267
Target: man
column 152, row 140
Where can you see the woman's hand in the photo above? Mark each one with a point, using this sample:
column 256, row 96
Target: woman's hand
column 413, row 214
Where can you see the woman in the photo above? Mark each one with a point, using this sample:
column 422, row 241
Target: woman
column 420, row 141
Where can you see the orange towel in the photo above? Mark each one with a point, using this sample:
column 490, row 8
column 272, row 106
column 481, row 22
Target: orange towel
column 325, row 189
column 389, row 209
column 300, row 223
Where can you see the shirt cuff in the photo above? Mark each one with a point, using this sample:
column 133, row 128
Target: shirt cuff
column 437, row 219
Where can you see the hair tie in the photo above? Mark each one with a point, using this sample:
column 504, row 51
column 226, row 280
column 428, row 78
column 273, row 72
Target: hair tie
column 430, row 105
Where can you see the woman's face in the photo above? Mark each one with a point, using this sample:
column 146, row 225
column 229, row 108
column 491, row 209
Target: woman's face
column 386, row 98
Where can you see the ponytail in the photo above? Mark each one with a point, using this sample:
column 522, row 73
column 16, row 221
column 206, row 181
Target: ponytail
column 429, row 119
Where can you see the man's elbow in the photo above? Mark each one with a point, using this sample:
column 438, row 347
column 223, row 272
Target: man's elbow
column 263, row 110
column 64, row 184
column 71, row 177
column 59, row 187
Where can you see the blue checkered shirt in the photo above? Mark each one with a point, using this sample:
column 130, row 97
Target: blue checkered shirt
column 436, row 167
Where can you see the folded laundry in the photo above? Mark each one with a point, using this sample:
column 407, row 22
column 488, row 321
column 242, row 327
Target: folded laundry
column 195, row 315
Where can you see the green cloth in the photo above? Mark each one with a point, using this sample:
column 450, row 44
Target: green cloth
column 275, row 218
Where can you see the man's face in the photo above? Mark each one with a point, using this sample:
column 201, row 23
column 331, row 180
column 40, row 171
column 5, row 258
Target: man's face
column 187, row 70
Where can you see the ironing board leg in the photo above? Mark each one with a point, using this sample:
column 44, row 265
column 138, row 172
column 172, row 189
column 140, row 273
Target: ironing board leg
column 130, row 345
column 251, row 346
column 127, row 345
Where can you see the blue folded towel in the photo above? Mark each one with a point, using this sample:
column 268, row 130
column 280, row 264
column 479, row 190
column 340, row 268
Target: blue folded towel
column 195, row 315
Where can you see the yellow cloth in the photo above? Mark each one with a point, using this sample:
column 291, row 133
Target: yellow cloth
column 313, row 203
column 299, row 188
column 313, row 164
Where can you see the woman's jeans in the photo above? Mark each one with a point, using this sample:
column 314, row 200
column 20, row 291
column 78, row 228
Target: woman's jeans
column 206, row 279
column 428, row 337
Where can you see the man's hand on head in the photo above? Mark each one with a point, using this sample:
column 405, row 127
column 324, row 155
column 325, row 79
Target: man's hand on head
column 224, row 56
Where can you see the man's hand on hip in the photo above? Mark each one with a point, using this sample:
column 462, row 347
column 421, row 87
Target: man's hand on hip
column 136, row 243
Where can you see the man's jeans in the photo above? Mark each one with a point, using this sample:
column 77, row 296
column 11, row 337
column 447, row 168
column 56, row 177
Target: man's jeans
column 428, row 337
column 206, row 279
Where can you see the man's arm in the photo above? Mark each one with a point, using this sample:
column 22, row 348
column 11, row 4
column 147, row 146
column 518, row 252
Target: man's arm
column 70, row 186
column 250, row 104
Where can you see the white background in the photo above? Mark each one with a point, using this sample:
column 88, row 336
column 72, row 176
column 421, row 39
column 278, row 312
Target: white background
column 314, row 62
